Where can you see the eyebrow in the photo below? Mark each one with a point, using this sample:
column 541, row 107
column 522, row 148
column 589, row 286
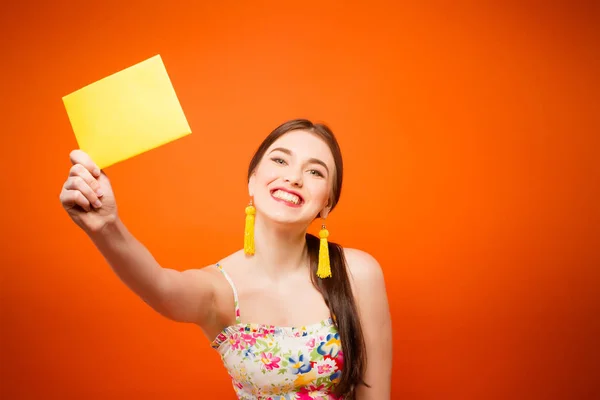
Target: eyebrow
column 310, row 160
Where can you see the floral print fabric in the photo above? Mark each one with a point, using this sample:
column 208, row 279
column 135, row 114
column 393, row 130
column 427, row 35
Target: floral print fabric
column 267, row 362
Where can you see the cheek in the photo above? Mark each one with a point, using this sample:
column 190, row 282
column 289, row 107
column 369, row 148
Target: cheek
column 320, row 191
column 266, row 174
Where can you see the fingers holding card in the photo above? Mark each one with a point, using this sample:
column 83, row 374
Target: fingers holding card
column 127, row 113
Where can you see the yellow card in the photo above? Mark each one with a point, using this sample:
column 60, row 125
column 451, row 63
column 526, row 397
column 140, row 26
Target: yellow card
column 127, row 113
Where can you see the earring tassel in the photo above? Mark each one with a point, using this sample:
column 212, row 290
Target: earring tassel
column 324, row 267
column 249, row 230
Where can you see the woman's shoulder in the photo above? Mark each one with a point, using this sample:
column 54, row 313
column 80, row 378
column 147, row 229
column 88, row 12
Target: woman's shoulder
column 234, row 259
column 368, row 284
column 231, row 264
column 362, row 265
column 228, row 263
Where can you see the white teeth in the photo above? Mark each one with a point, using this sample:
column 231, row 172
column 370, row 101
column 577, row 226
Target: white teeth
column 292, row 198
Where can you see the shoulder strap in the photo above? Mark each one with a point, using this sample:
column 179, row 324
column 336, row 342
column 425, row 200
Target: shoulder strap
column 235, row 295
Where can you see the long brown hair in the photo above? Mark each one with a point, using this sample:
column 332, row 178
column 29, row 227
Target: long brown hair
column 337, row 290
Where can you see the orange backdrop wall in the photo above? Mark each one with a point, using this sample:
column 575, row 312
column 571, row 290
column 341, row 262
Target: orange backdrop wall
column 470, row 136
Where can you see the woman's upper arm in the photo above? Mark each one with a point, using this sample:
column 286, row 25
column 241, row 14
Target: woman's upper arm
column 189, row 296
column 372, row 301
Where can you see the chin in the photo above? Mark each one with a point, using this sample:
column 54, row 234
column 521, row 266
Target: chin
column 277, row 216
column 281, row 217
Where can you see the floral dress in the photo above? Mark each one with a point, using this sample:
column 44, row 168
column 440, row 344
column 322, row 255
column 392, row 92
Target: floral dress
column 275, row 363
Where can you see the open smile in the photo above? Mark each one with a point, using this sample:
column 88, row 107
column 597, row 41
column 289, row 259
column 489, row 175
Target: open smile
column 289, row 198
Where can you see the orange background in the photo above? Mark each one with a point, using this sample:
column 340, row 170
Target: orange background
column 470, row 136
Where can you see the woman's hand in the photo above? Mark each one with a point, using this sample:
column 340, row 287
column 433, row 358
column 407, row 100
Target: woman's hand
column 87, row 195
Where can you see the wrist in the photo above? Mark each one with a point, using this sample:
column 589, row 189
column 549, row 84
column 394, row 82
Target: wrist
column 110, row 230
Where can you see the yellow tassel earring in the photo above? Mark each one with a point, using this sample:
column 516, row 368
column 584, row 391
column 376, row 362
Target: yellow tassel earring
column 324, row 267
column 249, row 229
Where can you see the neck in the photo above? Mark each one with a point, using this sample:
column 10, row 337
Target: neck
column 279, row 248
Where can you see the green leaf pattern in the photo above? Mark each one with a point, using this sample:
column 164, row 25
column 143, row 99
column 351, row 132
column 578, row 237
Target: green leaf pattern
column 275, row 363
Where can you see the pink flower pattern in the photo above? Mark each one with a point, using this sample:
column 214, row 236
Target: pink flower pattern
column 273, row 363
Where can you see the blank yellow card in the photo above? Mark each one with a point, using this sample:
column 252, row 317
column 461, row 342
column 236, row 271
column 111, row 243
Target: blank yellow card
column 127, row 113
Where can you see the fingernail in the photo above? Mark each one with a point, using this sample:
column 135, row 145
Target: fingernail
column 97, row 204
column 96, row 171
column 99, row 193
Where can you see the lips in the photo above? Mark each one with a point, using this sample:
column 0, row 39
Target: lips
column 287, row 196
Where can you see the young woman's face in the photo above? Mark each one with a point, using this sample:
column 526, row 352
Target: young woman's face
column 293, row 181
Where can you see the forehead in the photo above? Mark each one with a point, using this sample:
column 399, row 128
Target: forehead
column 304, row 144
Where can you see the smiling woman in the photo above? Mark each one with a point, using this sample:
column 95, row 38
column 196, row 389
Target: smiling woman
column 284, row 328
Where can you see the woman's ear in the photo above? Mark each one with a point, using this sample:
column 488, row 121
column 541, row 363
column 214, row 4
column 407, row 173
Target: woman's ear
column 251, row 183
column 325, row 211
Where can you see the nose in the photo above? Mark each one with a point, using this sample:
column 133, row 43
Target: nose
column 294, row 178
